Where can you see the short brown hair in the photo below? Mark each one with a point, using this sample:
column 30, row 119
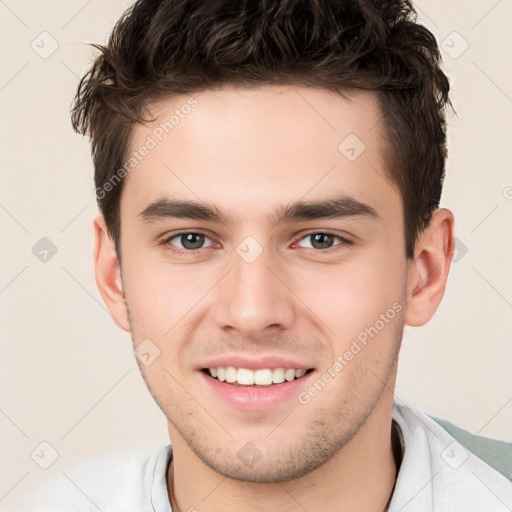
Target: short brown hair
column 161, row 48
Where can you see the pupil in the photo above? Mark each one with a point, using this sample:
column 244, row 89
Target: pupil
column 324, row 240
column 192, row 240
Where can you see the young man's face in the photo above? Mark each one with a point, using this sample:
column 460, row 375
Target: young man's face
column 258, row 289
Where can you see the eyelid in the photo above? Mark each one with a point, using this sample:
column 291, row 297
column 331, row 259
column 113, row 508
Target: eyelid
column 172, row 234
column 344, row 241
column 166, row 240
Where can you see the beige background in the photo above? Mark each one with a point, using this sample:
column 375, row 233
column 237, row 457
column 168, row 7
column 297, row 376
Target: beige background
column 68, row 376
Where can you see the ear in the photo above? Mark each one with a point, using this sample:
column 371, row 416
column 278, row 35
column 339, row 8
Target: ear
column 428, row 271
column 108, row 274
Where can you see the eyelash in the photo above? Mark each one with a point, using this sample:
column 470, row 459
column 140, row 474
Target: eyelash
column 343, row 242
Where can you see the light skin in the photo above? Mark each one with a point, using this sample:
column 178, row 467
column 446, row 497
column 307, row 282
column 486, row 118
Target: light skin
column 250, row 153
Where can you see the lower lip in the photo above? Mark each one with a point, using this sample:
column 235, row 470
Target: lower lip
column 254, row 398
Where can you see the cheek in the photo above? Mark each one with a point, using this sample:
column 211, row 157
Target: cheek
column 351, row 297
column 160, row 296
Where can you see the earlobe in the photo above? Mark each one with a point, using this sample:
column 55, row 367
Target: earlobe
column 428, row 271
column 108, row 274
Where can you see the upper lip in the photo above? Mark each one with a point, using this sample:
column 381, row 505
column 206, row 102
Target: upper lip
column 255, row 363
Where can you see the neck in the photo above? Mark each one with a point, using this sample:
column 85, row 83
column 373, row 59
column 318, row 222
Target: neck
column 359, row 477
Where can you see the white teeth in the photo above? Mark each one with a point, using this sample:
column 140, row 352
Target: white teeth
column 246, row 377
column 262, row 377
column 277, row 375
column 231, row 374
column 289, row 375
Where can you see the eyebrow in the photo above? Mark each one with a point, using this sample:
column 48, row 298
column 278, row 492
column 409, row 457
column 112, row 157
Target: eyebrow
column 332, row 208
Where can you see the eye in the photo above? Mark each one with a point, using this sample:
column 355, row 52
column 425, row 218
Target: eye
column 186, row 242
column 323, row 240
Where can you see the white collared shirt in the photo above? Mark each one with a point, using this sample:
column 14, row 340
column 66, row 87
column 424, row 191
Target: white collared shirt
column 437, row 474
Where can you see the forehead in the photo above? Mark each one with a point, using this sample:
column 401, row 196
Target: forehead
column 249, row 147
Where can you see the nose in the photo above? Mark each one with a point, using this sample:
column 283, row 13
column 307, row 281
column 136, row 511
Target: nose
column 253, row 298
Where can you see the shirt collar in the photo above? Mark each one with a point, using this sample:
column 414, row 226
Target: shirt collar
column 159, row 493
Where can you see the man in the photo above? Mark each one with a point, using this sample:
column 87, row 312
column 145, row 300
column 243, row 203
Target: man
column 269, row 177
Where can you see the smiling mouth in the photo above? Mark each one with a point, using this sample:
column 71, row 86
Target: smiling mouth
column 264, row 377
